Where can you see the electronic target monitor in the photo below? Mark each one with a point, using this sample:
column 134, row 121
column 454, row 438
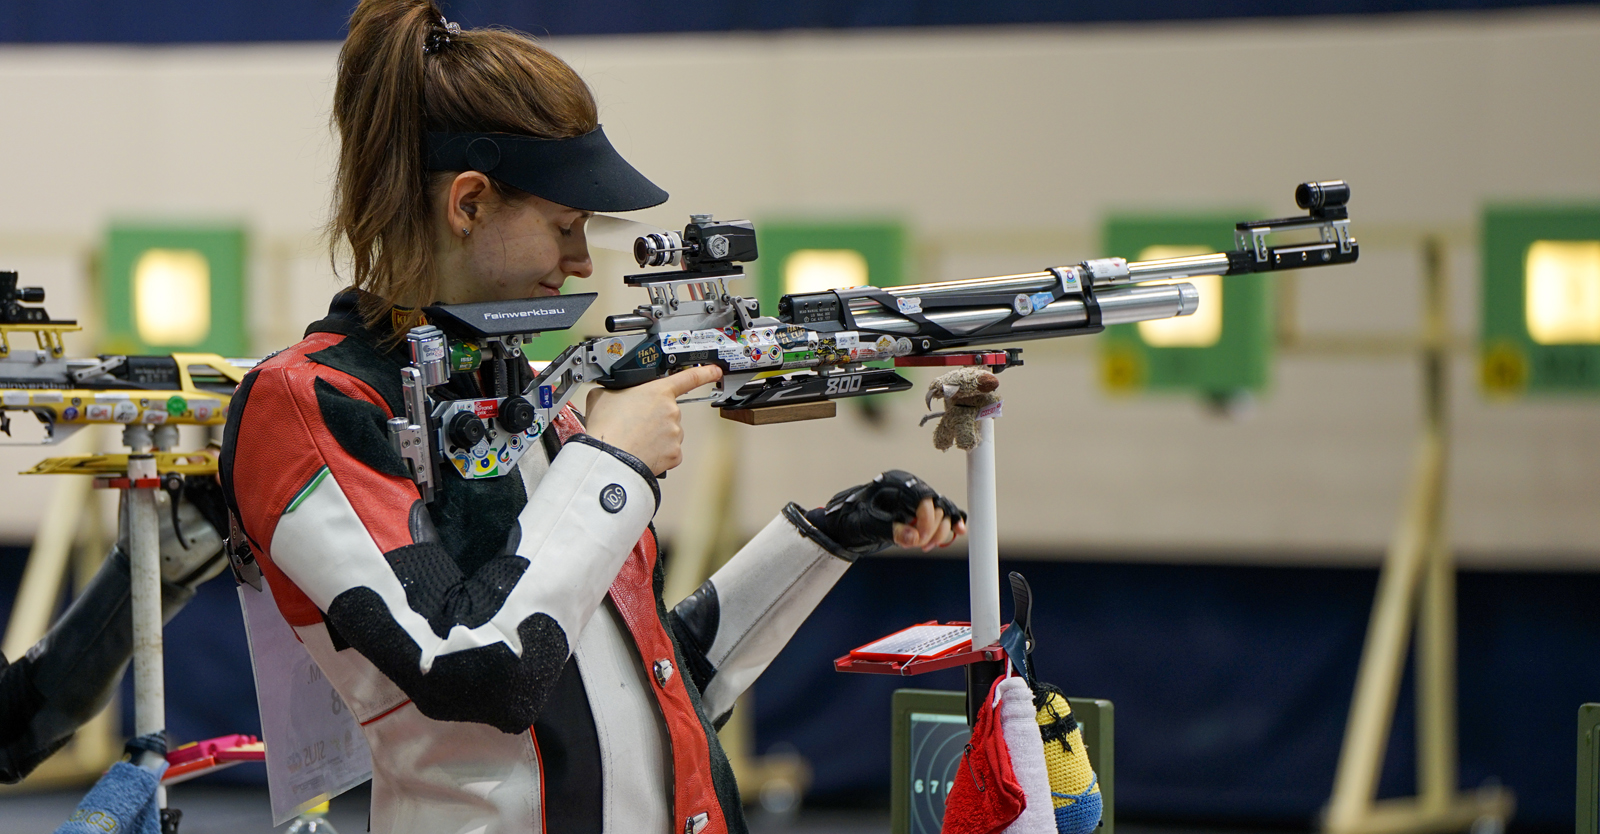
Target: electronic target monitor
column 929, row 735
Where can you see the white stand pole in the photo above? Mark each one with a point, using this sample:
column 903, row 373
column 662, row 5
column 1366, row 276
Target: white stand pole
column 983, row 539
column 149, row 706
column 144, row 568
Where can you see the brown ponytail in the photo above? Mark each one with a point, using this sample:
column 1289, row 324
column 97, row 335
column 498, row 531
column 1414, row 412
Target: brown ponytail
column 402, row 75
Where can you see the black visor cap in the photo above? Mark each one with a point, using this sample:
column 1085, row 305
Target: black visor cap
column 582, row 172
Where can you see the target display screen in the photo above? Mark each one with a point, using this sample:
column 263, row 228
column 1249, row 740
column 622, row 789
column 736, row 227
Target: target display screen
column 937, row 741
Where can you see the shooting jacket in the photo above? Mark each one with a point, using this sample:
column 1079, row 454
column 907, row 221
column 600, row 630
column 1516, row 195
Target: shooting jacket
column 505, row 647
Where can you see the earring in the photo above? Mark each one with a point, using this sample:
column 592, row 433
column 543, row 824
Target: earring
column 466, row 232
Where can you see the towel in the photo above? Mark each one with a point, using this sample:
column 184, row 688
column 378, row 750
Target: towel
column 124, row 801
column 1021, row 729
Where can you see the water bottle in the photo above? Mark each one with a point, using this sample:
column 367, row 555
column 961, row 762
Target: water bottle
column 313, row 821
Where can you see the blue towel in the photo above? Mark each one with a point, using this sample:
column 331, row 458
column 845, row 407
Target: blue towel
column 123, row 801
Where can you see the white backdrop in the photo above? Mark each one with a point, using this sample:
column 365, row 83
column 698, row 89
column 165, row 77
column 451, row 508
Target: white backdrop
column 1001, row 150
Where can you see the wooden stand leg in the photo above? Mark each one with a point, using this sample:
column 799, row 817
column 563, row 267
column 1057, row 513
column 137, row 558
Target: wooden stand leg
column 1418, row 577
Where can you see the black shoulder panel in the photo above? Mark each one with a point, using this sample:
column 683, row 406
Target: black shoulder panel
column 360, row 427
column 474, row 517
column 486, row 685
column 354, row 356
column 569, row 757
column 230, row 440
column 437, row 589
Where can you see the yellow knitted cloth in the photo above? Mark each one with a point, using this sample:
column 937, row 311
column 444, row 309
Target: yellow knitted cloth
column 1066, row 758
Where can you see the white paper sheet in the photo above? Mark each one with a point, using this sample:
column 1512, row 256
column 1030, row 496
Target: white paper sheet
column 315, row 749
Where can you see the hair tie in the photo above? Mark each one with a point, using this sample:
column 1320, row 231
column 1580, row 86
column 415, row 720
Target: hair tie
column 439, row 36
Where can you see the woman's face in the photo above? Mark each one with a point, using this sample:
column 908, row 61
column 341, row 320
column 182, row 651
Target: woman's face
column 516, row 249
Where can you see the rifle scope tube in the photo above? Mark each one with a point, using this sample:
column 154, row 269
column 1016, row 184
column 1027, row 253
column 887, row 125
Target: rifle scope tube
column 1117, row 306
column 1029, row 282
column 1163, row 269
column 1167, row 269
column 627, row 322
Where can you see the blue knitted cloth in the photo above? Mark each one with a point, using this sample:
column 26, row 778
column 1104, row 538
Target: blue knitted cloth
column 123, row 801
column 1083, row 815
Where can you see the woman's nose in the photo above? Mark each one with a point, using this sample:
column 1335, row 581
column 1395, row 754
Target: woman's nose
column 575, row 257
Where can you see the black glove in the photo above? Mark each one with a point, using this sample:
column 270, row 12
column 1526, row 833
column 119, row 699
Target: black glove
column 861, row 519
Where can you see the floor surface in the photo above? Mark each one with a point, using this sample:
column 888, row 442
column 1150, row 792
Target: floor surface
column 230, row 810
column 243, row 810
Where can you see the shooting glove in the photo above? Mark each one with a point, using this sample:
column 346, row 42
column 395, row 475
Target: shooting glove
column 861, row 519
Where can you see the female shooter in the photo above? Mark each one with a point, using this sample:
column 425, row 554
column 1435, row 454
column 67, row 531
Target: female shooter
column 505, row 646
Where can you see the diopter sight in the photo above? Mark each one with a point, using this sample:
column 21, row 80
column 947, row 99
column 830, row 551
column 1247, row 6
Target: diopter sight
column 1326, row 200
column 12, row 297
column 706, row 245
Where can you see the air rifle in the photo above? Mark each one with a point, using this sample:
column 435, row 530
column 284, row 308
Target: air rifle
column 65, row 394
column 794, row 365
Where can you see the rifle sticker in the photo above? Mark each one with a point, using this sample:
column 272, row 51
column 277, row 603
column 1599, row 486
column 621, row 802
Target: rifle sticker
column 614, row 347
column 547, row 396
column 52, row 397
column 735, row 358
column 648, row 356
column 14, row 398
column 177, row 405
column 154, row 417
column 902, row 346
column 695, row 357
column 1107, row 268
column 792, row 336
column 464, row 357
column 990, row 410
column 125, row 412
column 204, row 407
column 485, row 409
column 70, row 414
column 99, row 412
column 1041, row 300
column 909, row 306
column 846, row 339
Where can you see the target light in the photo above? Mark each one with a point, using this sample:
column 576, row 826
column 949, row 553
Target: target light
column 1540, row 314
column 1223, row 349
column 814, row 270
column 175, row 288
column 1200, row 329
column 172, row 297
column 1562, row 292
column 802, row 256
